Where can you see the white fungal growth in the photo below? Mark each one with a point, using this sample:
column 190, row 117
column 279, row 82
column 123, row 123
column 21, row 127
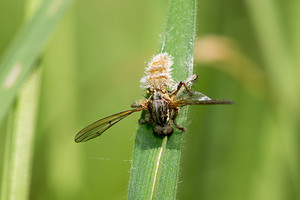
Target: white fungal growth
column 158, row 73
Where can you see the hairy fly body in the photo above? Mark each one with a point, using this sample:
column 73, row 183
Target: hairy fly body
column 162, row 107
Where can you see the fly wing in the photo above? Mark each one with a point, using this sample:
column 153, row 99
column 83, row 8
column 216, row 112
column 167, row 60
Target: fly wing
column 197, row 98
column 97, row 128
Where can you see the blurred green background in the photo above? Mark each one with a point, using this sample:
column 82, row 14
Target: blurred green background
column 92, row 67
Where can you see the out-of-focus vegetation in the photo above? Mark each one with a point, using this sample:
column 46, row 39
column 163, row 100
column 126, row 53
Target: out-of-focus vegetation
column 246, row 52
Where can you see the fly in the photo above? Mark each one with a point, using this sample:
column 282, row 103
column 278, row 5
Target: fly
column 162, row 107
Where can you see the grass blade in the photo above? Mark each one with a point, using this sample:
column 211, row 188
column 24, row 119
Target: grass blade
column 18, row 61
column 19, row 143
column 155, row 165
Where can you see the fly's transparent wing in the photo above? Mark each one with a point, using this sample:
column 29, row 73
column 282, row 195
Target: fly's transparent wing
column 97, row 128
column 197, row 98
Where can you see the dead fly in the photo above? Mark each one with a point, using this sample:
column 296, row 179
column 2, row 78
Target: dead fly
column 162, row 107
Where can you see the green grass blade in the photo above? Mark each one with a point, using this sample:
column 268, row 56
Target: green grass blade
column 18, row 61
column 155, row 164
column 19, row 143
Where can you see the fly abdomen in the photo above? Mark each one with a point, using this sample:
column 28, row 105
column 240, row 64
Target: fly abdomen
column 160, row 114
column 159, row 111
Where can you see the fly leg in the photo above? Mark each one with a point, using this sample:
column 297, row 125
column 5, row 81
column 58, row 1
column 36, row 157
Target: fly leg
column 147, row 119
column 142, row 103
column 181, row 83
column 173, row 119
column 191, row 79
column 136, row 105
column 147, row 115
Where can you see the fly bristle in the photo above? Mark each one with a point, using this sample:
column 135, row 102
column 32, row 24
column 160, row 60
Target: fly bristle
column 158, row 73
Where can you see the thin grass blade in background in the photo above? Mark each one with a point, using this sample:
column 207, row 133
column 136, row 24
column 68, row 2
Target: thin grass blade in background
column 155, row 164
column 20, row 142
column 20, row 135
column 17, row 63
